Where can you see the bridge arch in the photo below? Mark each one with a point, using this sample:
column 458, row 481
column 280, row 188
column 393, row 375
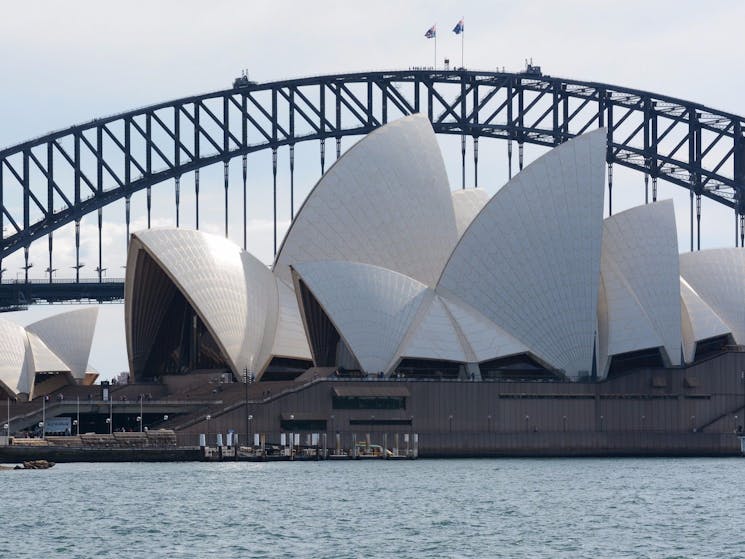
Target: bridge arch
column 59, row 178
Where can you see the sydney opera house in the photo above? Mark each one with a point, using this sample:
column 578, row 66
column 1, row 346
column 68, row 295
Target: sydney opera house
column 523, row 322
column 46, row 355
column 386, row 273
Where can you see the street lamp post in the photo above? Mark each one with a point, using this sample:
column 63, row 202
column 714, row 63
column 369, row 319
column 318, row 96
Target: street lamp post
column 207, row 418
column 111, row 414
column 250, row 434
column 77, row 420
column 142, row 416
column 245, row 402
column 108, row 420
column 44, row 417
column 76, row 424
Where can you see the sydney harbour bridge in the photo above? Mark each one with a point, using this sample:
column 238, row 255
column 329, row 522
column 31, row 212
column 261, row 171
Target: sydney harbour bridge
column 57, row 179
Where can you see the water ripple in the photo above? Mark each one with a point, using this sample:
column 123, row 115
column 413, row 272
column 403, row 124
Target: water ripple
column 428, row 508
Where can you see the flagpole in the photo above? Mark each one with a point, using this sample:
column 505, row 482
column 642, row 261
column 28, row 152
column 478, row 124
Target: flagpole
column 435, row 49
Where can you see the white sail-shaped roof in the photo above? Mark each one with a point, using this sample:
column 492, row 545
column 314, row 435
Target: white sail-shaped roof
column 467, row 203
column 641, row 282
column 70, row 336
column 718, row 278
column 530, row 261
column 290, row 340
column 371, row 308
column 44, row 360
column 623, row 324
column 435, row 335
column 700, row 321
column 14, row 365
column 385, row 202
column 234, row 294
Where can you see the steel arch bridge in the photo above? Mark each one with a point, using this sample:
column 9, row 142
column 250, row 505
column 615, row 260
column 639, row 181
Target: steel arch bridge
column 59, row 178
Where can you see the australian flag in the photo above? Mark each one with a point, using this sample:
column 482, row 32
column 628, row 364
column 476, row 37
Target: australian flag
column 431, row 32
column 458, row 29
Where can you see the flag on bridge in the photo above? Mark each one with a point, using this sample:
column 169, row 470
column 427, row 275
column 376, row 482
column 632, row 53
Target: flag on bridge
column 431, row 32
column 458, row 29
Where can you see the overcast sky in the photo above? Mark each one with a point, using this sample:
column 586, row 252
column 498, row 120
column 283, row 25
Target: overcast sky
column 68, row 62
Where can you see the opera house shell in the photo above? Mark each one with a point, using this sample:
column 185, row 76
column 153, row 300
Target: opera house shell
column 47, row 354
column 385, row 272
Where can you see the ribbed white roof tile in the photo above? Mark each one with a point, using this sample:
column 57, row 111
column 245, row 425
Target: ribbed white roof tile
column 14, row 366
column 372, row 308
column 701, row 321
column 234, row 294
column 718, row 277
column 467, row 203
column 385, row 202
column 435, row 336
column 642, row 280
column 70, row 336
column 530, row 261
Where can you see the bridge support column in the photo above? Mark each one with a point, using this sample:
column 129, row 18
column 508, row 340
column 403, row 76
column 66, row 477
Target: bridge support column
column 692, row 225
column 698, row 221
column 292, row 183
column 274, row 182
column 149, row 205
column 26, row 266
column 100, row 246
column 323, row 156
column 50, row 269
column 475, row 162
column 196, row 195
column 177, row 192
column 226, row 173
column 509, row 159
column 245, row 176
column 127, row 214
column 610, row 189
column 463, row 160
column 77, row 251
column 520, row 156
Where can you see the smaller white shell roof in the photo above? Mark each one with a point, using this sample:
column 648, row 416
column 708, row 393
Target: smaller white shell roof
column 290, row 340
column 44, row 360
column 702, row 322
column 641, row 280
column 718, row 278
column 14, row 366
column 372, row 308
column 234, row 293
column 69, row 336
column 467, row 203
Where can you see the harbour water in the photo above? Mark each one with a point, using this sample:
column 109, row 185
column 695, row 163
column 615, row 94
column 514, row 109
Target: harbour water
column 405, row 509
